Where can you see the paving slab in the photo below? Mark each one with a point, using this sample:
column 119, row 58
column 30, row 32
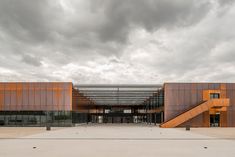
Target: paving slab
column 117, row 140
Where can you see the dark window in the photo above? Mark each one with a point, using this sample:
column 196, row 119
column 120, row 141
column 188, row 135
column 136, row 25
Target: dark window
column 214, row 95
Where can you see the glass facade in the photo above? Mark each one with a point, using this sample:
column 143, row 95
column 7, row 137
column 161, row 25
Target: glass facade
column 155, row 102
column 35, row 118
column 118, row 103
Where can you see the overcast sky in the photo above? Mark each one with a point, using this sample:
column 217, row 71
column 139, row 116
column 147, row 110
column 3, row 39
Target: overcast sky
column 117, row 41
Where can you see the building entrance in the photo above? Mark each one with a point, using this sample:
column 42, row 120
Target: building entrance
column 215, row 120
column 118, row 103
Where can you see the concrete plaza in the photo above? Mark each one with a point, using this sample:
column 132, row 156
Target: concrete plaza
column 116, row 140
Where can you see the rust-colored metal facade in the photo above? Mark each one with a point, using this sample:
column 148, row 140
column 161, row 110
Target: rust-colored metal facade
column 62, row 104
column 35, row 104
column 53, row 96
column 180, row 97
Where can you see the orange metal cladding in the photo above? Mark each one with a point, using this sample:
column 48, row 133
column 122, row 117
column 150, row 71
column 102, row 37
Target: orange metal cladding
column 206, row 94
column 32, row 96
column 179, row 97
column 157, row 110
column 1, row 96
column 80, row 102
column 205, row 106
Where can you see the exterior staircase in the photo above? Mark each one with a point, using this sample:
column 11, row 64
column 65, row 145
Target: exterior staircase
column 196, row 110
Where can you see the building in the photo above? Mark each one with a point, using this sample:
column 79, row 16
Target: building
column 65, row 104
column 35, row 104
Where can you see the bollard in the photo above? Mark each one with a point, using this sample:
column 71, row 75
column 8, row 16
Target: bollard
column 187, row 127
column 48, row 128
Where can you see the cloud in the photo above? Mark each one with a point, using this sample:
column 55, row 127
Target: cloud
column 32, row 60
column 25, row 20
column 103, row 20
column 225, row 2
column 124, row 15
column 117, row 41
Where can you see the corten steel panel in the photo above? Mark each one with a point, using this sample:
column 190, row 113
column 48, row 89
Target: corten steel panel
column 25, row 95
column 36, row 96
column 31, row 97
column 55, row 96
column 80, row 102
column 7, row 97
column 43, row 96
column 181, row 99
column 180, row 96
column 230, row 92
column 193, row 112
column 223, row 119
column 19, row 95
column 12, row 96
column 1, row 96
column 49, row 98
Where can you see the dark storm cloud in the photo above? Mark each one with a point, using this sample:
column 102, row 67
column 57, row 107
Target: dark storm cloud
column 124, row 15
column 26, row 20
column 40, row 20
